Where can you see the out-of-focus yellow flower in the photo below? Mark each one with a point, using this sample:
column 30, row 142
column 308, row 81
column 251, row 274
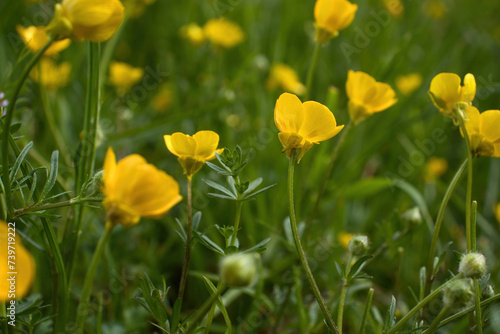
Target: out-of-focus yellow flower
column 134, row 189
column 331, row 16
column 344, row 239
column 193, row 151
column 497, row 212
column 93, row 20
column 435, row 168
column 446, row 91
column 367, row 96
column 223, row 33
column 436, row 9
column 395, row 7
column 163, row 99
column 193, row 33
column 286, row 78
column 123, row 76
column 484, row 131
column 36, row 37
column 51, row 75
column 24, row 266
column 303, row 124
column 407, row 84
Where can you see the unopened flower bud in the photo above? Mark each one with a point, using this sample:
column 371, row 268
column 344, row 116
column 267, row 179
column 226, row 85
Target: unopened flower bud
column 412, row 216
column 489, row 291
column 358, row 244
column 473, row 265
column 458, row 294
column 238, row 270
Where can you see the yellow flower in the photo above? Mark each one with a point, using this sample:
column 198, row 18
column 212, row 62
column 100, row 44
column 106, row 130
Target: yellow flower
column 446, row 91
column 344, row 239
column 407, row 84
column 303, row 124
column 193, row 33
column 134, row 189
column 223, row 33
column 497, row 212
column 331, row 16
column 24, row 266
column 285, row 77
column 484, row 131
column 51, row 75
column 36, row 37
column 395, row 7
column 435, row 168
column 123, row 76
column 193, row 151
column 367, row 96
column 93, row 20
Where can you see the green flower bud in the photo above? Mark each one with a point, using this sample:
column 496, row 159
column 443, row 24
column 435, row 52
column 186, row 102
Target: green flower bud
column 473, row 265
column 412, row 216
column 238, row 270
column 358, row 244
column 458, row 294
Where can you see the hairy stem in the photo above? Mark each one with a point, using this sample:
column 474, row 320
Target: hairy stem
column 187, row 256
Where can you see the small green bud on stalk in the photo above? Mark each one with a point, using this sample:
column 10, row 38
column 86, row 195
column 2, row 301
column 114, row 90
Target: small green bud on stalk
column 458, row 294
column 358, row 244
column 473, row 265
column 238, row 270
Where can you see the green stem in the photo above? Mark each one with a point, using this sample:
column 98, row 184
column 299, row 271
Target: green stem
column 187, row 256
column 464, row 312
column 435, row 323
column 89, row 278
column 474, row 225
column 421, row 304
column 6, row 129
column 468, row 200
column 326, row 176
column 211, row 313
column 439, row 221
column 366, row 311
column 73, row 201
column 343, row 293
column 204, row 309
column 477, row 304
column 300, row 250
column 312, row 68
column 239, row 204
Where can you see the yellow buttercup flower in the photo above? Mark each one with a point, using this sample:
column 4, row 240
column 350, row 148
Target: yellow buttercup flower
column 193, row 151
column 134, row 189
column 446, row 91
column 435, row 168
column 123, row 76
column 367, row 96
column 286, row 78
column 51, row 75
column 344, row 239
column 223, row 33
column 303, row 124
column 331, row 16
column 395, row 7
column 24, row 266
column 484, row 131
column 36, row 37
column 193, row 33
column 93, row 20
column 407, row 84
column 497, row 212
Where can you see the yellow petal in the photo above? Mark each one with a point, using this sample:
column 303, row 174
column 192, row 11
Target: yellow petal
column 109, row 170
column 206, row 144
column 445, row 90
column 334, row 15
column 489, row 125
column 24, row 266
column 180, row 144
column 472, row 120
column 497, row 212
column 288, row 113
column 358, row 86
column 88, row 12
column 383, row 98
column 319, row 123
column 469, row 89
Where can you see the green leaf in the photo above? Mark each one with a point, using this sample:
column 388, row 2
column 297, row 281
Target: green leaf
column 20, row 159
column 211, row 287
column 176, row 315
column 259, row 191
column 221, row 196
column 358, row 266
column 51, row 180
column 389, row 320
column 259, row 248
column 254, row 184
column 196, row 220
column 207, row 242
column 222, row 189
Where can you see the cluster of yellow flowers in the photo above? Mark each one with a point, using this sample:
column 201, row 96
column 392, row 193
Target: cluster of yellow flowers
column 221, row 32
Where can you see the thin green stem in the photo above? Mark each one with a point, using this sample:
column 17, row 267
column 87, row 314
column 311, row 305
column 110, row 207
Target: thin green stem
column 73, row 201
column 237, row 218
column 89, row 278
column 477, row 304
column 474, row 225
column 211, row 313
column 187, row 256
column 435, row 323
column 368, row 306
column 421, row 304
column 343, row 293
column 312, row 68
column 468, row 200
column 6, row 129
column 300, row 250
column 204, row 309
column 439, row 221
column 328, row 171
